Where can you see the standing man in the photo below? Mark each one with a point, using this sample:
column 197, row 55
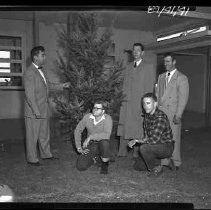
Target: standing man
column 173, row 92
column 96, row 147
column 36, row 106
column 138, row 79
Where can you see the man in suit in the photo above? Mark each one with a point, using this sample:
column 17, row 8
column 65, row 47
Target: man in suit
column 138, row 79
column 173, row 92
column 36, row 108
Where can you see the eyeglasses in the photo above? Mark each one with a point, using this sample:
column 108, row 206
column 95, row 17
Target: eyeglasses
column 97, row 108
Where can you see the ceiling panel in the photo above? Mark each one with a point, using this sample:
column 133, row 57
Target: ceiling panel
column 130, row 20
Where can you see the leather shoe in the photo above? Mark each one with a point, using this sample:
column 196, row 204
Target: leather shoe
column 35, row 164
column 155, row 173
column 176, row 168
column 97, row 161
column 103, row 171
column 171, row 166
column 50, row 158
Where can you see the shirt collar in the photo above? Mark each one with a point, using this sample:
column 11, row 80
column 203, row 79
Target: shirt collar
column 138, row 62
column 154, row 114
column 36, row 66
column 171, row 73
column 96, row 122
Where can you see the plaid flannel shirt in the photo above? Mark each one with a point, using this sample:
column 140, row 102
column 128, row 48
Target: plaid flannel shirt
column 157, row 128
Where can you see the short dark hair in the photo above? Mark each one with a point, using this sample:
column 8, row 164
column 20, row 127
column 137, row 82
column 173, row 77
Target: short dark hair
column 140, row 45
column 172, row 55
column 103, row 103
column 35, row 51
column 149, row 95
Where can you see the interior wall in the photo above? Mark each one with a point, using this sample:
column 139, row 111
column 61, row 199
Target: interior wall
column 11, row 101
column 12, row 104
column 125, row 40
column 48, row 38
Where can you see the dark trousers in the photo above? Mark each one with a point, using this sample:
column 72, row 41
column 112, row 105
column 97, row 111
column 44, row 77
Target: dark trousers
column 151, row 155
column 96, row 148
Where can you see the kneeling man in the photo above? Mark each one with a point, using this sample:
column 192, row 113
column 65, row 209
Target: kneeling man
column 158, row 140
column 96, row 145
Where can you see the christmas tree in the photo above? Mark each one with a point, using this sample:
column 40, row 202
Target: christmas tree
column 83, row 62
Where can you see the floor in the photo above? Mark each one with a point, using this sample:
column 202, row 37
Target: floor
column 15, row 129
column 59, row 181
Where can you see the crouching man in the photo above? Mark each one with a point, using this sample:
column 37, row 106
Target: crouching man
column 158, row 140
column 96, row 146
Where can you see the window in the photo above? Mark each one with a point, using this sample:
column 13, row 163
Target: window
column 11, row 62
column 182, row 33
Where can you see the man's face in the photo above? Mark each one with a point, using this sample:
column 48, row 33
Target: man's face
column 98, row 110
column 137, row 53
column 149, row 105
column 40, row 58
column 169, row 63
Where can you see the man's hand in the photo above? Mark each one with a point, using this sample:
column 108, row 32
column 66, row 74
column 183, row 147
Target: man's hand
column 176, row 120
column 132, row 143
column 86, row 142
column 83, row 151
column 66, row 85
column 142, row 141
column 38, row 116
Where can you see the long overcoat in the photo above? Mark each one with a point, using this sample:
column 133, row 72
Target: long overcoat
column 137, row 82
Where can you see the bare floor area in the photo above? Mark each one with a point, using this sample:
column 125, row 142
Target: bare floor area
column 59, row 181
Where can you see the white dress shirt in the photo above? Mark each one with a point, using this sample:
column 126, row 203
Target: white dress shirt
column 137, row 62
column 41, row 73
column 96, row 122
column 171, row 74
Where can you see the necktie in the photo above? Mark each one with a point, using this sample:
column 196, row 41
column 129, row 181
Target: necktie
column 135, row 65
column 167, row 78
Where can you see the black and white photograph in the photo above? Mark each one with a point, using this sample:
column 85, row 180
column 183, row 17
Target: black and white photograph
column 105, row 105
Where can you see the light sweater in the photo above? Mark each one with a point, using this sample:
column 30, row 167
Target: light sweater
column 99, row 131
